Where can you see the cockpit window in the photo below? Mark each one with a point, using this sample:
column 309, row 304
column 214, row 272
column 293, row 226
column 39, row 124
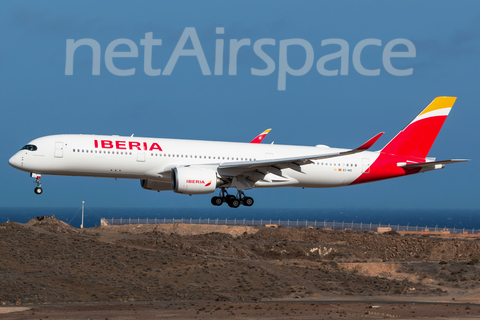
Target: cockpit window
column 30, row 147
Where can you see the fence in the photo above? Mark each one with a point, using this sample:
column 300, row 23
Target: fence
column 333, row 225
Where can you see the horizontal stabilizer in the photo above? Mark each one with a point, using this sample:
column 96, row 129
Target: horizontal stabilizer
column 428, row 164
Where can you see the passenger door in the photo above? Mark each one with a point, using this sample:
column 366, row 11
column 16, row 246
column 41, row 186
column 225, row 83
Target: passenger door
column 58, row 150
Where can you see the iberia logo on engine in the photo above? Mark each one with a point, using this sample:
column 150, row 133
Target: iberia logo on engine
column 199, row 182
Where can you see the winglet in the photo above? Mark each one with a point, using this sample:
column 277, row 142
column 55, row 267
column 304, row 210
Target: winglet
column 370, row 142
column 260, row 137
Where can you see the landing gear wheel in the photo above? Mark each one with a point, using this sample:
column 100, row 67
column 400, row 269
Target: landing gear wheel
column 217, row 201
column 234, row 203
column 248, row 201
column 38, row 190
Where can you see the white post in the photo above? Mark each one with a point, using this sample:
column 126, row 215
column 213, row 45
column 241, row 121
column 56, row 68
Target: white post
column 83, row 206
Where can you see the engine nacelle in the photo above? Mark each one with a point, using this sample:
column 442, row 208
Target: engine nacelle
column 154, row 185
column 188, row 180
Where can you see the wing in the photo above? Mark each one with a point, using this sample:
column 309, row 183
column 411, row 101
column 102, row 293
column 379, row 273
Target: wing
column 257, row 170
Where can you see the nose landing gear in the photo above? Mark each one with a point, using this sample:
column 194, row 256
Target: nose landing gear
column 231, row 200
column 38, row 189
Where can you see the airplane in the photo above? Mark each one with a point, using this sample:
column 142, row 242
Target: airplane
column 201, row 167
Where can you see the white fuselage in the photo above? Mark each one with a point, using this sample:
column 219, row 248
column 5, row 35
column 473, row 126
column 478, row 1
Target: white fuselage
column 152, row 158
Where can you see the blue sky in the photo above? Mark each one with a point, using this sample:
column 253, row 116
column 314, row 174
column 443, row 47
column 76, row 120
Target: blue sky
column 37, row 98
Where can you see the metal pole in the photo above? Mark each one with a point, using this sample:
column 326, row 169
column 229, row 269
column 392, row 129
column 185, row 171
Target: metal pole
column 83, row 206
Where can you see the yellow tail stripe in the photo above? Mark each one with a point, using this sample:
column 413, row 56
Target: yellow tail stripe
column 439, row 103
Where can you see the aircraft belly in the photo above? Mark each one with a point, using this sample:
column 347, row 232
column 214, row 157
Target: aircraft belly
column 317, row 176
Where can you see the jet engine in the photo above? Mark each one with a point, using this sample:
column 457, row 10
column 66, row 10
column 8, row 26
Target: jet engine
column 187, row 180
column 154, row 185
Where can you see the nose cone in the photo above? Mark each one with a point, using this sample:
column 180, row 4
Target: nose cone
column 15, row 161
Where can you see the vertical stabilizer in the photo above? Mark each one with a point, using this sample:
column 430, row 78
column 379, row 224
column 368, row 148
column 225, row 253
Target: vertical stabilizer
column 416, row 139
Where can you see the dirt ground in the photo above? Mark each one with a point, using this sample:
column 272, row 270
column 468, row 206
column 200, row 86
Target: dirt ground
column 195, row 271
column 244, row 310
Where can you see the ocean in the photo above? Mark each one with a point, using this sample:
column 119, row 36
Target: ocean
column 458, row 219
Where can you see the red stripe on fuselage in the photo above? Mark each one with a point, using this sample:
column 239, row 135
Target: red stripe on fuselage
column 385, row 167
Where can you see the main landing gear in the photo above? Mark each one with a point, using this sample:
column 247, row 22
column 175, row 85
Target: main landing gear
column 231, row 200
column 38, row 189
